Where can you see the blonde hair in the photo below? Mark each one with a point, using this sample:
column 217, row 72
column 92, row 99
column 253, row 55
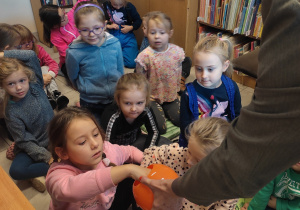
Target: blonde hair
column 209, row 132
column 219, row 46
column 161, row 18
column 26, row 36
column 130, row 81
column 88, row 10
column 9, row 66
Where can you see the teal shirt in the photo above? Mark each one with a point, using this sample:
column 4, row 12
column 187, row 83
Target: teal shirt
column 285, row 187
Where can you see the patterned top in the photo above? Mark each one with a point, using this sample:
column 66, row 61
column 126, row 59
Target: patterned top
column 163, row 70
column 176, row 158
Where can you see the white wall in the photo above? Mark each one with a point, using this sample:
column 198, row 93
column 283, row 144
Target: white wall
column 17, row 11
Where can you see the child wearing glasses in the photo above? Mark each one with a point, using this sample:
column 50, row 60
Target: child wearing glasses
column 59, row 30
column 48, row 65
column 94, row 60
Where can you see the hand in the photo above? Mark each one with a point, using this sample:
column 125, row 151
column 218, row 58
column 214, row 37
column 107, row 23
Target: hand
column 126, row 28
column 113, row 26
column 1, row 54
column 272, row 202
column 164, row 197
column 47, row 79
column 245, row 206
column 138, row 171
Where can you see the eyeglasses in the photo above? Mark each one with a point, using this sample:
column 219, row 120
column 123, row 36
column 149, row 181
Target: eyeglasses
column 24, row 45
column 96, row 31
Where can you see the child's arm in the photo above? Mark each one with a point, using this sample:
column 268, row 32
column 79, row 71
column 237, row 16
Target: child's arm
column 136, row 19
column 237, row 101
column 46, row 60
column 261, row 199
column 186, row 116
column 151, row 126
column 72, row 68
column 30, row 59
column 283, row 204
column 120, row 59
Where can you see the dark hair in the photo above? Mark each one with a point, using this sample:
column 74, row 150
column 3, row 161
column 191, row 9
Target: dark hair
column 88, row 10
column 59, row 125
column 8, row 36
column 50, row 18
column 26, row 36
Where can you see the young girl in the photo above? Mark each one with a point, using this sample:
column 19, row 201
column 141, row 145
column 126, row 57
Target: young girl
column 204, row 136
column 49, row 67
column 212, row 94
column 161, row 63
column 27, row 113
column 123, row 19
column 84, row 178
column 123, row 121
column 94, row 60
column 59, row 29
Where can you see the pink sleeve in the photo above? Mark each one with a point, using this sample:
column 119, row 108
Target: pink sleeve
column 68, row 184
column 46, row 60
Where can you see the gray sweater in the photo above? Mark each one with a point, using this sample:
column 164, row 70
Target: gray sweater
column 264, row 140
column 28, row 118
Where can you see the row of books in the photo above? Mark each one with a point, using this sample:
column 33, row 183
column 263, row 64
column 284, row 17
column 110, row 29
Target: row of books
column 241, row 45
column 239, row 16
column 58, row 2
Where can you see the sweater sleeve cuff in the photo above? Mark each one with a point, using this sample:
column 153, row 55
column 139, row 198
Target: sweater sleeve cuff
column 52, row 74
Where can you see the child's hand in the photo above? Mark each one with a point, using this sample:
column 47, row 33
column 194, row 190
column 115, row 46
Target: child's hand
column 126, row 28
column 138, row 171
column 245, row 206
column 113, row 26
column 47, row 78
column 272, row 202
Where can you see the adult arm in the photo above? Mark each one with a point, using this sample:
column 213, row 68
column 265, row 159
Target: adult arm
column 254, row 150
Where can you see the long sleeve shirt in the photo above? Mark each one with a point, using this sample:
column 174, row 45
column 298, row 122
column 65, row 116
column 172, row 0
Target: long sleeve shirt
column 263, row 140
column 46, row 60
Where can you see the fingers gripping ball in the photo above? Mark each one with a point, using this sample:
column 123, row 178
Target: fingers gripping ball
column 143, row 194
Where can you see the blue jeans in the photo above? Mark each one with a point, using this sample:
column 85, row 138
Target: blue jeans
column 24, row 167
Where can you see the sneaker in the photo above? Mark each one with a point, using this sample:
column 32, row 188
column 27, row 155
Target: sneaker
column 56, row 94
column 38, row 183
column 62, row 102
column 52, row 102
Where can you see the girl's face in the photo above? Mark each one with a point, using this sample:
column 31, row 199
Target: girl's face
column 16, row 85
column 27, row 45
column 132, row 103
column 64, row 17
column 209, row 69
column 296, row 167
column 158, row 36
column 84, row 145
column 117, row 4
column 195, row 151
column 91, row 29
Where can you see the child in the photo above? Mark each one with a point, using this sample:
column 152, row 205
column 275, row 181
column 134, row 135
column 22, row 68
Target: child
column 281, row 193
column 204, row 136
column 94, row 60
column 27, row 113
column 161, row 63
column 123, row 120
column 212, row 94
column 84, row 177
column 123, row 19
column 49, row 67
column 59, row 30
column 145, row 42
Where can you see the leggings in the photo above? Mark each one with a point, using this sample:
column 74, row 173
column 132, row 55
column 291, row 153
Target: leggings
column 24, row 167
column 169, row 110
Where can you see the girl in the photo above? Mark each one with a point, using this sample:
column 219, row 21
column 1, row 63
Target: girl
column 49, row 67
column 122, row 121
column 161, row 63
column 59, row 30
column 94, row 60
column 123, row 19
column 84, row 178
column 27, row 113
column 212, row 94
column 204, row 136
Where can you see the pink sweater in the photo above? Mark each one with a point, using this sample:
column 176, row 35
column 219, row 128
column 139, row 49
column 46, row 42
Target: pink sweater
column 46, row 60
column 61, row 37
column 72, row 188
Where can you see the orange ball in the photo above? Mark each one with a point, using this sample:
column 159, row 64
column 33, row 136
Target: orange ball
column 143, row 194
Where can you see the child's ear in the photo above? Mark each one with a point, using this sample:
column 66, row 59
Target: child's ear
column 61, row 153
column 226, row 65
column 171, row 33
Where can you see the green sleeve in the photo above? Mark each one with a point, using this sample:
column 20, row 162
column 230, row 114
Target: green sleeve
column 261, row 199
column 284, row 204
